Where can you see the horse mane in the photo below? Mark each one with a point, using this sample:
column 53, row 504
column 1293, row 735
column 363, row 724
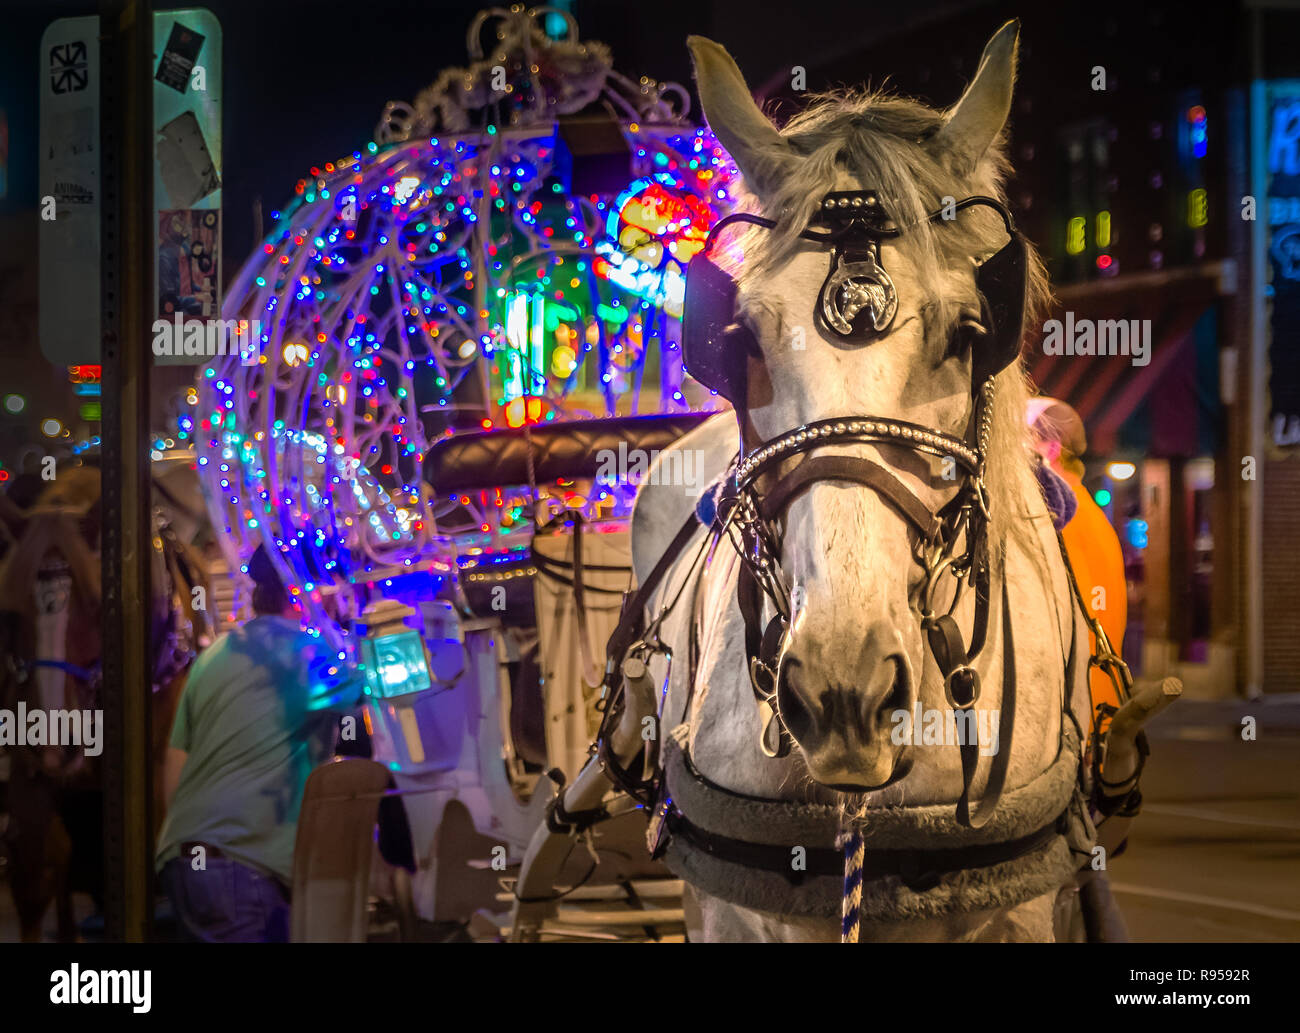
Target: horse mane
column 882, row 140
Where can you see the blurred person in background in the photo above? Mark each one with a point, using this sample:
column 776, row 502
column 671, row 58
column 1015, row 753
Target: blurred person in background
column 50, row 601
column 259, row 712
column 1090, row 538
column 1098, row 561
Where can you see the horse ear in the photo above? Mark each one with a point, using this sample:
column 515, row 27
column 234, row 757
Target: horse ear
column 975, row 121
column 759, row 151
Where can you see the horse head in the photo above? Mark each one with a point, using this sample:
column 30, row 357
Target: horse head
column 852, row 562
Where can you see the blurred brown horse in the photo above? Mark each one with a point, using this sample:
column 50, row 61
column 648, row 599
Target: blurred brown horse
column 50, row 598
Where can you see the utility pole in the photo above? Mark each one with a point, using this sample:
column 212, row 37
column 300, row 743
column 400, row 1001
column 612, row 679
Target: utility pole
column 128, row 236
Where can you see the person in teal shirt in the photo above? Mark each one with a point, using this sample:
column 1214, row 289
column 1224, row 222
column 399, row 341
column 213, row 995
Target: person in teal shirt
column 260, row 710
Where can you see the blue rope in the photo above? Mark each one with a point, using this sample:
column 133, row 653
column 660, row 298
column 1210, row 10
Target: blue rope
column 850, row 842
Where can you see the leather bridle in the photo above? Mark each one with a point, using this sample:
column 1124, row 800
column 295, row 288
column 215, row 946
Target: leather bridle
column 954, row 540
column 762, row 484
column 752, row 516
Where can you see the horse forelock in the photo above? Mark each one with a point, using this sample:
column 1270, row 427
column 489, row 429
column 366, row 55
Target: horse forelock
column 887, row 143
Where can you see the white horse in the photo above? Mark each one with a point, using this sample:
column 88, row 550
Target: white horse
column 851, row 571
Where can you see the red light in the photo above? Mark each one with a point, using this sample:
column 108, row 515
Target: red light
column 1103, row 261
column 85, row 374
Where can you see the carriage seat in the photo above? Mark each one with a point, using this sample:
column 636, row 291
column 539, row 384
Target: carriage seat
column 495, row 458
column 541, row 605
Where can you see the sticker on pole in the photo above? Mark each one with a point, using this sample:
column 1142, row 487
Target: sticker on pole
column 178, row 58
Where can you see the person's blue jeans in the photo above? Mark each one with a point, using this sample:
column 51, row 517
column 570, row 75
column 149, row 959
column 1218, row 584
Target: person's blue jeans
column 227, row 902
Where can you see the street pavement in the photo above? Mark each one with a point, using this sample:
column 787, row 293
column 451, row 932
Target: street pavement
column 1215, row 854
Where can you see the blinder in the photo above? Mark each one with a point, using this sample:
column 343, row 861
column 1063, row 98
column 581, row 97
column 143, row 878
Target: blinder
column 857, row 298
column 715, row 345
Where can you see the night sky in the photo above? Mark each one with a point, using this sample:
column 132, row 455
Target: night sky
column 305, row 83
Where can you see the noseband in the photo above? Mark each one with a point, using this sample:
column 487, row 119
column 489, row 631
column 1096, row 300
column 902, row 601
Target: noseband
column 751, row 516
column 857, row 298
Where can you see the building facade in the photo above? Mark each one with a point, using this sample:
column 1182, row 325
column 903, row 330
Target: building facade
column 1157, row 169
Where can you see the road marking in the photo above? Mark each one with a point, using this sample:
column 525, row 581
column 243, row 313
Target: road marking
column 1196, row 898
column 1228, row 819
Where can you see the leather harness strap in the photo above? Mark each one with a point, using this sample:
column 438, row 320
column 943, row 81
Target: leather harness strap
column 861, row 471
column 631, row 626
column 632, row 619
column 919, row 870
column 970, row 746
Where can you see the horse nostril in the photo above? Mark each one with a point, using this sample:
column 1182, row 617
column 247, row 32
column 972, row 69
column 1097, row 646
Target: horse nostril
column 897, row 698
column 796, row 714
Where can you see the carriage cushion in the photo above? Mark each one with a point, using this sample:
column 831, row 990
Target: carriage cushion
column 490, row 459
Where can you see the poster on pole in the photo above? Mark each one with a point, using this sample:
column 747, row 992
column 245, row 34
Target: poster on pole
column 187, row 174
column 68, row 261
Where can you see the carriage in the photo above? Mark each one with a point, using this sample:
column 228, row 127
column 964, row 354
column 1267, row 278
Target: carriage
column 469, row 352
column 508, row 708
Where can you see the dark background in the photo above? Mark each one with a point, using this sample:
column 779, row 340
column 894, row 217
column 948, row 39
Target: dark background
column 305, row 83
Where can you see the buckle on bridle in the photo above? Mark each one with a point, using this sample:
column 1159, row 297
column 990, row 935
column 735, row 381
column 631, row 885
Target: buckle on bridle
column 763, row 678
column 967, row 679
column 764, row 675
column 773, row 739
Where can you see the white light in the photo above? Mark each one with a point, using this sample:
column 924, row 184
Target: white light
column 405, row 188
column 1121, row 471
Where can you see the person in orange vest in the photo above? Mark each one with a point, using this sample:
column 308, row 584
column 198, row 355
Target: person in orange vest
column 1098, row 562
column 1090, row 539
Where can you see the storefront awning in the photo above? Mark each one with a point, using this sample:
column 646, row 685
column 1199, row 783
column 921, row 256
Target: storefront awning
column 1107, row 390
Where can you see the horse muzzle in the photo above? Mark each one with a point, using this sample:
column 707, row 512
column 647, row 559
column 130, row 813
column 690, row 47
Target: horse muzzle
column 844, row 725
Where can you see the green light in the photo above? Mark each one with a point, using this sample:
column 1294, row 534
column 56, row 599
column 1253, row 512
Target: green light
column 91, row 412
column 1102, row 497
column 15, row 403
column 1075, row 235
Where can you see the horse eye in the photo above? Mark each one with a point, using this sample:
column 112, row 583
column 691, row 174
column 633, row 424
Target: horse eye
column 965, row 336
